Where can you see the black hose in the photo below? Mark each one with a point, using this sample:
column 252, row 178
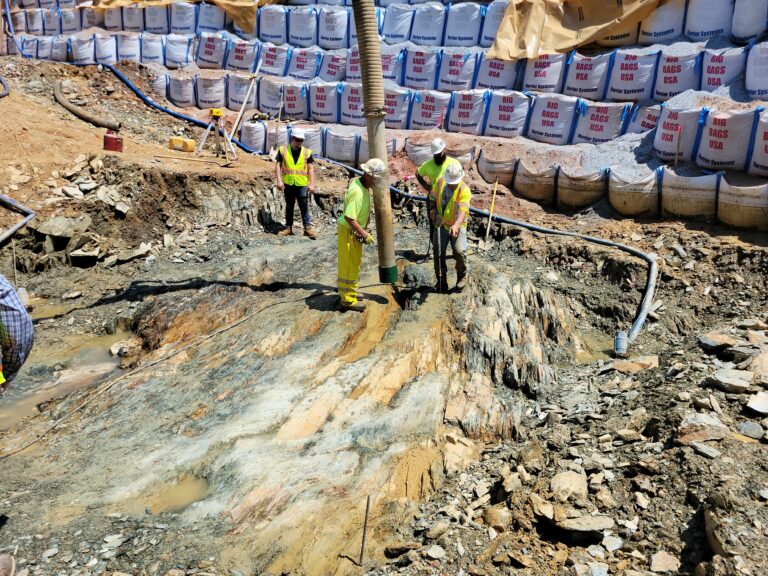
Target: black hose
column 83, row 114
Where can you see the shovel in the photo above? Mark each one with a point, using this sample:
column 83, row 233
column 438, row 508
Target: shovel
column 484, row 246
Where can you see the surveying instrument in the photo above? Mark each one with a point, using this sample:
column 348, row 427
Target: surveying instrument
column 220, row 148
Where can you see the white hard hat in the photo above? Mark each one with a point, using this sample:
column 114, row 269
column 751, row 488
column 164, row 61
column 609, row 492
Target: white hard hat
column 373, row 166
column 454, row 173
column 298, row 133
column 438, row 145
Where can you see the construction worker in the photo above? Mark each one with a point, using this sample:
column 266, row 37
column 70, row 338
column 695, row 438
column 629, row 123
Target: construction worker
column 295, row 174
column 352, row 234
column 17, row 335
column 432, row 169
column 449, row 212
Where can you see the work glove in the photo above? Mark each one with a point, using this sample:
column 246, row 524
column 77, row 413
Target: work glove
column 368, row 239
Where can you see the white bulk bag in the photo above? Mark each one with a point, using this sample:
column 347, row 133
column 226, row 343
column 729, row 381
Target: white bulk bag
column 158, row 84
column 720, row 67
column 152, row 49
column 352, row 105
column 247, row 34
column 83, row 50
column 91, row 17
column 587, row 76
column 211, row 92
column 757, row 71
column 211, row 50
column 273, row 24
column 60, row 49
column 496, row 171
column 622, row 35
column 133, row 18
column 353, row 29
column 386, row 3
column 44, row 47
column 178, row 50
column 28, row 4
column 676, row 74
column 275, row 59
column 397, row 23
column 743, row 206
column 576, row 191
column 397, row 104
column 644, row 119
column 254, row 135
column 28, row 45
column 67, row 3
column 463, row 24
column 467, row 111
column 708, row 18
column 392, row 58
column 324, row 101
column 429, row 109
column 428, row 22
column 52, row 22
column 113, row 19
column 342, row 146
column 277, row 136
column 183, row 18
column 664, row 23
column 242, row 54
column 552, row 118
column 632, row 76
column 302, row 26
column 237, row 87
column 45, row 5
column 417, row 153
column 333, row 67
column 106, row 49
column 313, row 139
column 689, row 196
column 35, row 22
column 421, row 65
column 758, row 165
column 181, row 92
column 457, row 68
column 270, row 96
column 305, row 62
column 156, row 19
column 633, row 197
column 493, row 17
column 544, row 73
column 70, row 21
column 726, row 140
column 536, row 185
column 364, row 152
column 673, row 126
column 497, row 74
column 210, row 18
column 354, row 72
column 333, row 28
column 296, row 100
column 19, row 21
column 750, row 20
column 507, row 114
column 599, row 122
column 128, row 47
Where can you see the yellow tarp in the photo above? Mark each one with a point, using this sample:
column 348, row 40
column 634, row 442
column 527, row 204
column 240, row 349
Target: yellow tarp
column 534, row 27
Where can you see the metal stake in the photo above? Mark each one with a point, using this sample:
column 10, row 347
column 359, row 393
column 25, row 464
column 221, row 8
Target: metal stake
column 490, row 214
column 365, row 527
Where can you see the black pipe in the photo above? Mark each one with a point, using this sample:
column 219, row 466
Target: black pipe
column 83, row 114
column 14, row 206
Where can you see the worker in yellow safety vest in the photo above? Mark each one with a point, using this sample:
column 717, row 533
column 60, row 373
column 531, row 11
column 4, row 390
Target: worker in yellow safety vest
column 434, row 168
column 352, row 234
column 448, row 205
column 295, row 176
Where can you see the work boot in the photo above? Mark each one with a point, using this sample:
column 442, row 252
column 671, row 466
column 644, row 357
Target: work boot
column 461, row 283
column 7, row 565
column 358, row 307
column 286, row 232
column 310, row 233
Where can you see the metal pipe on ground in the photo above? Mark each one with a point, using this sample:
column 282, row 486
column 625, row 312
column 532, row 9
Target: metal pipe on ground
column 13, row 206
column 82, row 114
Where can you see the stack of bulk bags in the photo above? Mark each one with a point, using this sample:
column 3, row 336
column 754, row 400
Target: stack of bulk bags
column 254, row 135
column 428, row 24
column 296, row 100
column 178, row 50
column 237, row 89
column 333, row 67
column 83, row 50
column 273, row 24
column 536, row 185
column 211, row 92
column 212, row 50
column 506, row 114
column 494, row 14
column 429, row 110
column 463, row 24
column 492, row 171
column 634, row 197
column 600, row 122
column 181, row 91
column 676, row 74
column 457, row 68
column 342, row 145
column 743, row 206
column 587, row 75
column 183, row 18
column 644, row 118
column 106, row 49
column 275, row 60
column 324, row 101
column 692, row 197
column 152, row 49
column 70, row 21
column 552, row 118
column 727, row 139
column 709, row 18
column 270, row 96
column 133, row 18
column 676, row 134
column 750, row 20
column 302, row 26
column 421, row 65
column 720, row 67
column 544, row 73
column 305, row 62
column 397, row 23
column 51, row 22
column 665, row 23
column 242, row 54
column 35, row 22
column 757, row 71
column 467, row 111
column 576, row 191
column 758, row 165
column 210, row 18
column 397, row 105
column 497, row 74
column 632, row 75
column 60, row 49
column 353, row 29
column 333, row 28
column 352, row 105
column 157, row 20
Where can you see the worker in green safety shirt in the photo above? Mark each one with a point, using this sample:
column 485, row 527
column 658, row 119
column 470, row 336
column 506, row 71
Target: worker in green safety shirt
column 431, row 170
column 295, row 176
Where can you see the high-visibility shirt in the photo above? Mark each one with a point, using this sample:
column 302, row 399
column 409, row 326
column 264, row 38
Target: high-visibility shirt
column 433, row 171
column 449, row 205
column 295, row 172
column 357, row 204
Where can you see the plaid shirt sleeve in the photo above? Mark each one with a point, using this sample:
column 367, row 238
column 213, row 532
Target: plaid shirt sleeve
column 17, row 335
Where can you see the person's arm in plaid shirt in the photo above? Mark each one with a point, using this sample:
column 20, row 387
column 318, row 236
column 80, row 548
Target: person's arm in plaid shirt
column 17, row 334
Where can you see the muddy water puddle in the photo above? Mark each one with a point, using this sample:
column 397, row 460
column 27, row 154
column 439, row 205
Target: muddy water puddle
column 173, row 497
column 594, row 346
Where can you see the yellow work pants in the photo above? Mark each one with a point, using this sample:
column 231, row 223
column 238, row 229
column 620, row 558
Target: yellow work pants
column 350, row 254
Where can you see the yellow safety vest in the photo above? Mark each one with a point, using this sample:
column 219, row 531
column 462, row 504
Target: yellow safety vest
column 459, row 202
column 295, row 173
